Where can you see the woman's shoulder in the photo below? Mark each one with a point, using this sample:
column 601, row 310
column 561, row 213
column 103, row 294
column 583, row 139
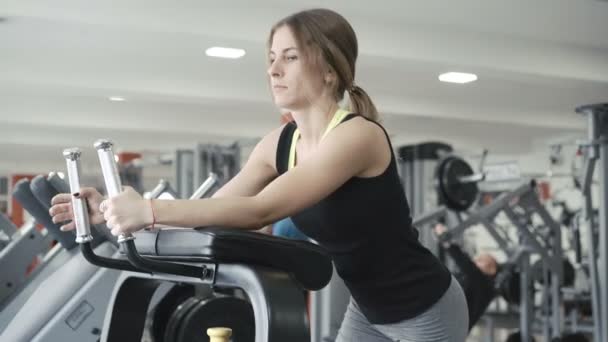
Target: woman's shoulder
column 359, row 127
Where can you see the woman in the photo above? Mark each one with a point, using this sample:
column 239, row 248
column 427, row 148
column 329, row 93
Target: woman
column 335, row 174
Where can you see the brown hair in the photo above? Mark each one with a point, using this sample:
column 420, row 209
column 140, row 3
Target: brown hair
column 328, row 42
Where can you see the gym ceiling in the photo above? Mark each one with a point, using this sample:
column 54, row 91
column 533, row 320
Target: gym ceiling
column 61, row 61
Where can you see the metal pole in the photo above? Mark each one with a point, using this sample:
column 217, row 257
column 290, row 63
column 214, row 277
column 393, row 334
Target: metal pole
column 546, row 302
column 598, row 133
column 525, row 305
column 603, row 227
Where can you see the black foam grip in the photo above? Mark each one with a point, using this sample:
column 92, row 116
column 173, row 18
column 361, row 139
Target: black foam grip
column 58, row 184
column 42, row 191
column 23, row 194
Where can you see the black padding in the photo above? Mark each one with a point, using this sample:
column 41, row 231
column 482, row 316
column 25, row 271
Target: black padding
column 307, row 263
column 23, row 194
column 43, row 192
column 58, row 184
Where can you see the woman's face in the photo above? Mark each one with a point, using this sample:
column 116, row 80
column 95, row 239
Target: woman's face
column 294, row 87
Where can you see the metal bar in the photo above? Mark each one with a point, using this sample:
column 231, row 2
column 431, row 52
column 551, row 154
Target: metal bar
column 491, row 229
column 530, row 238
column 207, row 185
column 592, row 261
column 597, row 134
column 488, row 211
column 525, row 304
column 110, row 174
column 79, row 205
column 546, row 303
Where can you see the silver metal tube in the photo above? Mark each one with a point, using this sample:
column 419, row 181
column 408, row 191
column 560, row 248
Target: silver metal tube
column 110, row 174
column 597, row 134
column 545, row 303
column 474, row 178
column 556, row 301
column 603, row 236
column 592, row 260
column 207, row 185
column 158, row 189
column 108, row 167
column 603, row 226
column 79, row 205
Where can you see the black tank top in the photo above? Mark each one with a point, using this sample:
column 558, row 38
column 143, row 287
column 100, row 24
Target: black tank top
column 366, row 227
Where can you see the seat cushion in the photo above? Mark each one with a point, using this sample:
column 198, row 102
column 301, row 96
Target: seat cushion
column 306, row 262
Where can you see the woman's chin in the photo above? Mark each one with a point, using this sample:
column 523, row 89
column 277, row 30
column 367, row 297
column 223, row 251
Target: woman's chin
column 283, row 106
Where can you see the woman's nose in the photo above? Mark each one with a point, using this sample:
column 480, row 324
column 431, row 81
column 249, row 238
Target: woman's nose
column 274, row 69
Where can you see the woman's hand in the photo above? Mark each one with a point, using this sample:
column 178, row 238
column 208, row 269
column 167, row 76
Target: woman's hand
column 61, row 207
column 439, row 230
column 127, row 213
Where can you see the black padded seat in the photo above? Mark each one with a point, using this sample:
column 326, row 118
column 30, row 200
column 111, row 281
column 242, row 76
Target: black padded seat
column 307, row 263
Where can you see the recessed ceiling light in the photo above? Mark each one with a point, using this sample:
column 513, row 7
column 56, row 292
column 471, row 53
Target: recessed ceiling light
column 457, row 77
column 116, row 99
column 224, row 52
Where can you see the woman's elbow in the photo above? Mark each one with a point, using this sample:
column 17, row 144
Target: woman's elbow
column 263, row 215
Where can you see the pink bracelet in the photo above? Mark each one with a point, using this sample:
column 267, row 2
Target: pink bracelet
column 153, row 215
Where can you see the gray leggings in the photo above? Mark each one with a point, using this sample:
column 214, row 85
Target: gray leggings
column 445, row 321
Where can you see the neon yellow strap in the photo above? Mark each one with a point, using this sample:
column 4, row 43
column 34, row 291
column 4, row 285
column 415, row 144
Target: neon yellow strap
column 338, row 117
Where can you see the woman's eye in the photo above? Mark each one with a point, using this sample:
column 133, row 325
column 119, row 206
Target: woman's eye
column 292, row 58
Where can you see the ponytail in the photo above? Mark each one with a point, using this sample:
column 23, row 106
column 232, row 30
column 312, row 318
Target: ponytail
column 361, row 103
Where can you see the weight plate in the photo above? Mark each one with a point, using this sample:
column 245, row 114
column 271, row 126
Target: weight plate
column 174, row 322
column 453, row 193
column 166, row 307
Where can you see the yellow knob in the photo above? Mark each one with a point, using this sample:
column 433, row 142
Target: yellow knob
column 219, row 334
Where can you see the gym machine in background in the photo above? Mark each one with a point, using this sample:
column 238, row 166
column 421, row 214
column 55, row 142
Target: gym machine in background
column 433, row 177
column 596, row 153
column 65, row 297
column 191, row 167
column 80, row 291
column 417, row 166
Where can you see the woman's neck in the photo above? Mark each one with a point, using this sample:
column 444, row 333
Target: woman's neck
column 313, row 121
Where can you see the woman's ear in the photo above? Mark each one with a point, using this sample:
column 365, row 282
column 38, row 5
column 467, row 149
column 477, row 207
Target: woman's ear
column 330, row 77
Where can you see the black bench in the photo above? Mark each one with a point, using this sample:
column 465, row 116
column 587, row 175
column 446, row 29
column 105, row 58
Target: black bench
column 271, row 271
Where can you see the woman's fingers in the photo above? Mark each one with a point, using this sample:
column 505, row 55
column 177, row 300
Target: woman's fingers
column 69, row 226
